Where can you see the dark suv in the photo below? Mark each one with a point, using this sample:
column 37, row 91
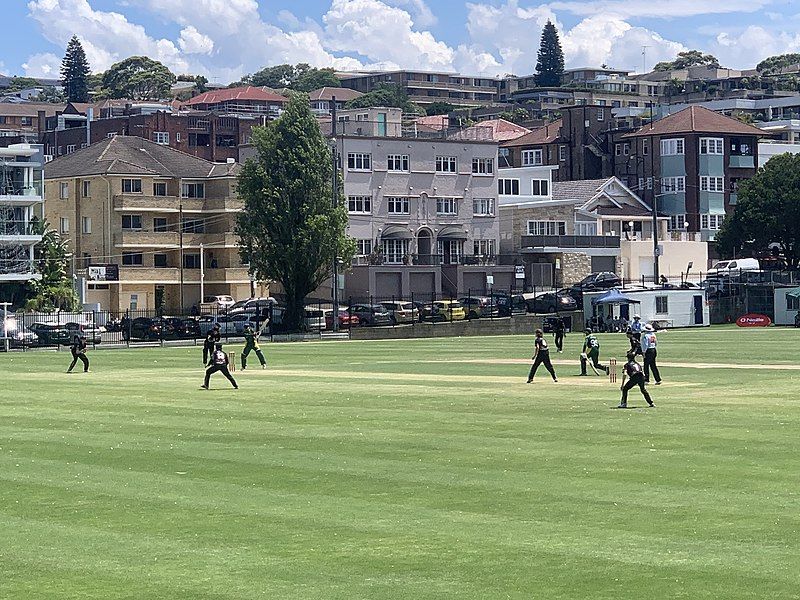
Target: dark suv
column 143, row 328
column 602, row 280
column 370, row 314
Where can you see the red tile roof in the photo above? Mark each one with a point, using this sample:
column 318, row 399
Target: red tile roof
column 239, row 93
column 435, row 122
column 327, row 93
column 697, row 119
column 543, row 135
column 502, row 130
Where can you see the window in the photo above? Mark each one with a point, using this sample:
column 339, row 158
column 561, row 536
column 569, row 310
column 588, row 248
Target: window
column 132, row 259
column 640, row 185
column 792, row 303
column 160, row 225
column 540, row 187
column 161, row 137
column 86, row 225
column 160, row 261
column 483, row 207
column 71, row 148
column 676, row 222
column 645, row 147
column 712, row 222
column 508, row 187
column 359, row 204
column 364, row 247
column 26, row 121
column 398, row 162
column 111, row 134
column 132, row 222
column 601, row 113
column 63, row 191
column 191, row 261
column 649, row 183
column 446, row 206
column 394, row 251
column 63, row 226
column 398, row 205
column 446, row 164
column 626, row 149
column 357, row 161
column 672, row 185
column 177, row 136
column 711, row 146
column 193, row 190
column 483, row 166
column 585, row 228
column 531, row 158
column 672, row 147
column 87, row 186
column 711, row 184
column 547, row 228
column 662, row 305
column 483, row 247
column 562, row 153
column 160, row 188
column 617, row 149
column 190, row 225
column 131, row 186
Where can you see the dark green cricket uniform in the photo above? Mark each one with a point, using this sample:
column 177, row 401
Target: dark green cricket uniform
column 251, row 343
column 591, row 348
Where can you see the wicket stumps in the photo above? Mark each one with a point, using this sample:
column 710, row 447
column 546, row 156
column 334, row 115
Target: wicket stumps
column 232, row 361
column 612, row 370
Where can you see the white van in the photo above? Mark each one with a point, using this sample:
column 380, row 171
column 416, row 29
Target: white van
column 723, row 267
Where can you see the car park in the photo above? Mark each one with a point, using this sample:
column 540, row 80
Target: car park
column 370, row 314
column 550, row 302
column 226, row 325
column 314, row 319
column 448, row 310
column 401, row 312
column 219, row 302
column 51, row 334
column 346, row 320
column 180, row 328
column 93, row 334
column 143, row 328
column 479, row 307
column 253, row 305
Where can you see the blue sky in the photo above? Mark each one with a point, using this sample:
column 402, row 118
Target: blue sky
column 224, row 39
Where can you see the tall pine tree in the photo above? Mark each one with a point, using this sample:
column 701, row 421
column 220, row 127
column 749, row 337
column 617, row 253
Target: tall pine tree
column 74, row 72
column 550, row 62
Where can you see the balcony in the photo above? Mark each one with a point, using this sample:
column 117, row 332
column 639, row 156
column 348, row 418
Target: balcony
column 167, row 275
column 742, row 162
column 432, row 260
column 146, row 239
column 172, row 204
column 557, row 242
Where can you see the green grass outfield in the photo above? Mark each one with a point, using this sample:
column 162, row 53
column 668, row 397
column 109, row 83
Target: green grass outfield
column 403, row 469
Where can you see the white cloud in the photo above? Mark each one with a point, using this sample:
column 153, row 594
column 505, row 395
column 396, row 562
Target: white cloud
column 745, row 49
column 423, row 15
column 45, row 65
column 665, row 10
column 194, row 42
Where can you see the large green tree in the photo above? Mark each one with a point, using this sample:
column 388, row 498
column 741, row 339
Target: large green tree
column 75, row 71
column 389, row 95
column 550, row 60
column 773, row 64
column 289, row 230
column 301, row 77
column 690, row 58
column 55, row 289
column 138, row 78
column 767, row 212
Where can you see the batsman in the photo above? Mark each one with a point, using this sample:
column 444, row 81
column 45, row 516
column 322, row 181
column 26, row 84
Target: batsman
column 251, row 343
column 591, row 354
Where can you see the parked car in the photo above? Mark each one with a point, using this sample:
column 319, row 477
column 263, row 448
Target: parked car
column 425, row 310
column 181, row 328
column 94, row 335
column 401, row 312
column 220, row 302
column 226, row 325
column 479, row 307
column 252, row 305
column 346, row 320
column 550, row 302
column 370, row 314
column 242, row 320
column 143, row 328
column 723, row 267
column 51, row 334
column 448, row 310
column 314, row 319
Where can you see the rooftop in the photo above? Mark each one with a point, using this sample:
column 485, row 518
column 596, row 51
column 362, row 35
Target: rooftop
column 327, row 93
column 696, row 119
column 127, row 155
column 543, row 135
column 502, row 130
column 248, row 93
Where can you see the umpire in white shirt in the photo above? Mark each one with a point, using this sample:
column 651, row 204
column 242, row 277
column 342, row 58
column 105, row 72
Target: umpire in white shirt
column 649, row 343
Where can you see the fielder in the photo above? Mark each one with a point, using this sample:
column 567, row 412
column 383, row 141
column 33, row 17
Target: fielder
column 633, row 371
column 78, row 350
column 219, row 362
column 541, row 356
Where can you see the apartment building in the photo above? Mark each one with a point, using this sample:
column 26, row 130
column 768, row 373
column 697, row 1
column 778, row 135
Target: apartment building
column 690, row 163
column 144, row 220
column 422, row 207
column 322, row 98
column 21, row 122
column 21, row 184
column 425, row 87
column 247, row 100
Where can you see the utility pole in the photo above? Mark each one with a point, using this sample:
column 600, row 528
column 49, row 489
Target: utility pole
column 180, row 246
column 644, row 59
column 335, row 201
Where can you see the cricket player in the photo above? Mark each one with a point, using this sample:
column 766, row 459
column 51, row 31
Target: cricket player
column 251, row 343
column 78, row 350
column 636, row 328
column 219, row 362
column 591, row 351
column 541, row 355
column 212, row 338
column 649, row 343
column 558, row 334
column 633, row 371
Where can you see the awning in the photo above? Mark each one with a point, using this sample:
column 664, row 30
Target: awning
column 795, row 293
column 452, row 232
column 396, row 232
column 614, row 297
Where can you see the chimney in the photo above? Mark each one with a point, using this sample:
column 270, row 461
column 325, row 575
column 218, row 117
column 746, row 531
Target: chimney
column 40, row 124
column 89, row 117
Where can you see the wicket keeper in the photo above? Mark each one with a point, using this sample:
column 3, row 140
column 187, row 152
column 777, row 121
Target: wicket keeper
column 212, row 338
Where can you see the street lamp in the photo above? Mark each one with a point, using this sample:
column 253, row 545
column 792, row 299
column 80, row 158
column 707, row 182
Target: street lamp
column 335, row 202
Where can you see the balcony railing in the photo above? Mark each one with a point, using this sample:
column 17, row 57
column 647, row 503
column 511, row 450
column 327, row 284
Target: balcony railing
column 433, row 260
column 570, row 241
column 12, row 227
column 13, row 266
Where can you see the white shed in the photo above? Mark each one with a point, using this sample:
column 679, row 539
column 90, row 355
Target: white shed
column 786, row 305
column 664, row 307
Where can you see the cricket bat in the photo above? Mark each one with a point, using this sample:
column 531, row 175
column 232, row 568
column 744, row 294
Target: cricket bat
column 589, row 362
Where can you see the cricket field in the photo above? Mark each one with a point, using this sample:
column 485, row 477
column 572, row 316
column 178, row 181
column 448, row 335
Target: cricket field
column 422, row 469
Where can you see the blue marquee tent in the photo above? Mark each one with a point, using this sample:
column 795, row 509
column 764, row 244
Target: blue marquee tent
column 614, row 297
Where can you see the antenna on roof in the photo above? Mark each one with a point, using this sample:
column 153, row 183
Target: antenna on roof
column 644, row 59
